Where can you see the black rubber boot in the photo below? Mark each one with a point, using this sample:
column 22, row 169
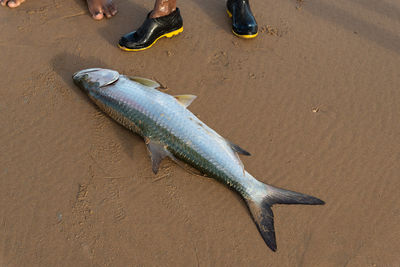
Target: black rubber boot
column 244, row 24
column 151, row 30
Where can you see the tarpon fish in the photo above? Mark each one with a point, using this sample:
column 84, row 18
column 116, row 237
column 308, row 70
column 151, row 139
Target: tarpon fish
column 170, row 130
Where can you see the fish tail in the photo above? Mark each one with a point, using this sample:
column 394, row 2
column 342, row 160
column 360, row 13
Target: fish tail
column 262, row 214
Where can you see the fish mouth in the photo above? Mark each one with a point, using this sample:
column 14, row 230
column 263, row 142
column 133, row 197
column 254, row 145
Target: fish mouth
column 101, row 76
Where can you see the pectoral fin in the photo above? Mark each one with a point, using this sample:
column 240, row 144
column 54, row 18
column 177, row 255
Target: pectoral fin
column 238, row 149
column 146, row 82
column 157, row 153
column 185, row 100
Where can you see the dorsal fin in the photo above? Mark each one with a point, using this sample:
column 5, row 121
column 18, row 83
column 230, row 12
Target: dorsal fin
column 145, row 82
column 185, row 100
column 238, row 149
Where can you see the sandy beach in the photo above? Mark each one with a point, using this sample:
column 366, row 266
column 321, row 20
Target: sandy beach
column 314, row 98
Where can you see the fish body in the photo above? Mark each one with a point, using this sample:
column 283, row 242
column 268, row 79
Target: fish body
column 171, row 130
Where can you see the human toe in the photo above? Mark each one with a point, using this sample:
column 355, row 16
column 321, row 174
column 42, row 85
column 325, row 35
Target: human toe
column 98, row 15
column 95, row 10
column 107, row 12
column 113, row 10
column 14, row 3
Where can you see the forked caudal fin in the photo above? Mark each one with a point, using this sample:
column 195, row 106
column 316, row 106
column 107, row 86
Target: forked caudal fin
column 262, row 213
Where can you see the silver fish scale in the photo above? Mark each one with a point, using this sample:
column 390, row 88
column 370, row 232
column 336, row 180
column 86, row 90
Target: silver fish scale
column 161, row 118
column 167, row 126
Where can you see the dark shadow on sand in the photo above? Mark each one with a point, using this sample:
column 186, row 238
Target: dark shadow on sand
column 65, row 65
column 216, row 11
column 366, row 30
column 130, row 16
column 385, row 9
column 83, row 4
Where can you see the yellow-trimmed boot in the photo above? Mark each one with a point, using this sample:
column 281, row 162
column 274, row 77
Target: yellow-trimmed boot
column 151, row 30
column 244, row 24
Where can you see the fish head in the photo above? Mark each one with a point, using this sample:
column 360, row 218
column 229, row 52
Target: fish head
column 93, row 79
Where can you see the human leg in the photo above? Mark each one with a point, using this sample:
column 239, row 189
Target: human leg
column 163, row 8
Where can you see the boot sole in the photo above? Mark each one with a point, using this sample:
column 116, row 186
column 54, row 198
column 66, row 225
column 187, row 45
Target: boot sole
column 168, row 35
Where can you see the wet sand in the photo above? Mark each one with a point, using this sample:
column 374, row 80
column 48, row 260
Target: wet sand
column 315, row 99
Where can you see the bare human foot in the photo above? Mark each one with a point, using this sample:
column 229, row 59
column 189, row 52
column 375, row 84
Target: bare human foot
column 100, row 8
column 11, row 3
